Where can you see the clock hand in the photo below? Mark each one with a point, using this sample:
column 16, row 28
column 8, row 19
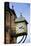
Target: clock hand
column 21, row 27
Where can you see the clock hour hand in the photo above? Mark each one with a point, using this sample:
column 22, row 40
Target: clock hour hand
column 21, row 27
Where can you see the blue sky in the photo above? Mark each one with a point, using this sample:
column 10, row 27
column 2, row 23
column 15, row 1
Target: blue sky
column 25, row 9
column 22, row 7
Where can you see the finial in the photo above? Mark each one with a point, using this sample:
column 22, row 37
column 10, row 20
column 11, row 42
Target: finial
column 20, row 13
column 12, row 6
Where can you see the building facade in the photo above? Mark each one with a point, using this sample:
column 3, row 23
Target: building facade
column 9, row 22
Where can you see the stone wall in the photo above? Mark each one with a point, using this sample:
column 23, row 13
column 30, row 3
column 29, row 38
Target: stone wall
column 10, row 28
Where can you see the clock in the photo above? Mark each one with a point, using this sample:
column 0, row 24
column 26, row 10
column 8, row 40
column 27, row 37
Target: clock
column 21, row 27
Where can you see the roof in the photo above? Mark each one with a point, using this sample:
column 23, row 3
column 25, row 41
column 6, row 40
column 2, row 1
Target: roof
column 20, row 19
column 6, row 7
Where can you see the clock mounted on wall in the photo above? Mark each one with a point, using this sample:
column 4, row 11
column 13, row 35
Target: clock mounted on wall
column 21, row 26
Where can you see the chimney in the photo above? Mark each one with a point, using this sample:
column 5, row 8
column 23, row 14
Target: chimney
column 6, row 4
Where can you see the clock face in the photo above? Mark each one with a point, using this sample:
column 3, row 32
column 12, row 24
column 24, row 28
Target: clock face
column 20, row 27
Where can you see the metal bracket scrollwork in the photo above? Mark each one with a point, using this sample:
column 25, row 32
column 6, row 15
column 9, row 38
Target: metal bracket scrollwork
column 22, row 39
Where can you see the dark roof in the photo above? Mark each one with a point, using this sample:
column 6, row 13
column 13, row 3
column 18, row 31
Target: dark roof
column 12, row 11
column 6, row 7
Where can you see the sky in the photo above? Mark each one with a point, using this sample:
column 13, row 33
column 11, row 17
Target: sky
column 30, row 22
column 23, row 8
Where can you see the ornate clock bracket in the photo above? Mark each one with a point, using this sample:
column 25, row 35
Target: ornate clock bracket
column 22, row 39
column 14, row 35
